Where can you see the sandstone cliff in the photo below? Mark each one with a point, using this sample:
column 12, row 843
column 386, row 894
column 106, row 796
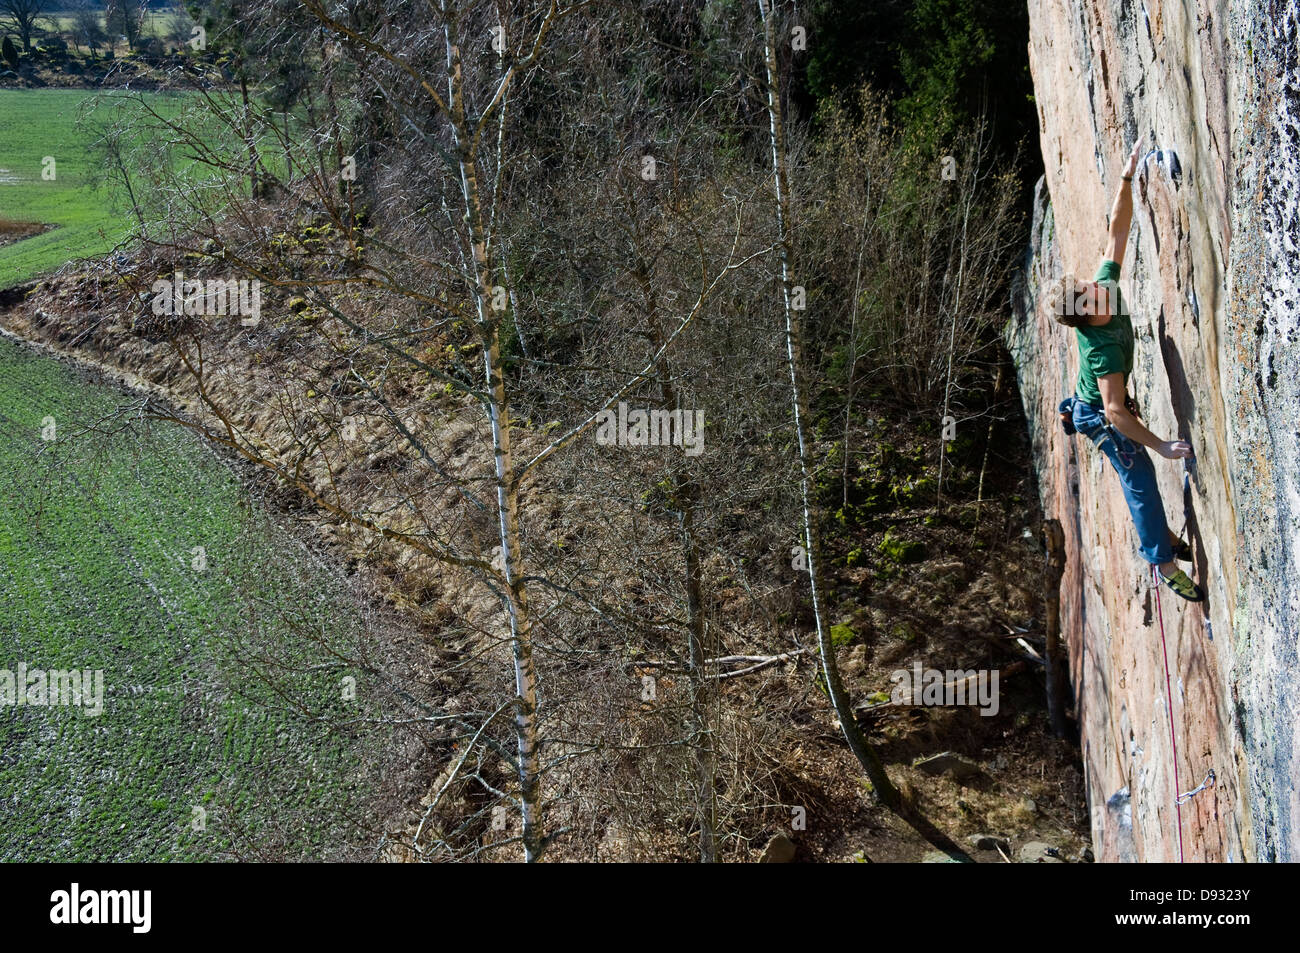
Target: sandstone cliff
column 1212, row 277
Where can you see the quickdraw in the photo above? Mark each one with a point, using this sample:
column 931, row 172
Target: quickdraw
column 1124, row 457
column 1204, row 786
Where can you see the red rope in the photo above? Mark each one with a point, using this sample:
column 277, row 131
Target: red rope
column 1169, row 696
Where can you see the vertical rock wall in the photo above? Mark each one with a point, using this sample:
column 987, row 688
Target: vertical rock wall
column 1211, row 275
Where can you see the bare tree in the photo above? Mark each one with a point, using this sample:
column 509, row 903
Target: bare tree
column 486, row 236
column 125, row 18
column 853, row 734
column 919, row 320
column 180, row 27
column 23, row 16
column 87, row 25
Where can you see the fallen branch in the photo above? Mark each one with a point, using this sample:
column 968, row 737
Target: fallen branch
column 1012, row 669
column 1000, row 642
column 760, row 661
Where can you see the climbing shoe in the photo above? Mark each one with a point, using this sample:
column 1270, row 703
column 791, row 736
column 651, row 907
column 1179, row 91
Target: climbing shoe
column 1181, row 584
column 1182, row 551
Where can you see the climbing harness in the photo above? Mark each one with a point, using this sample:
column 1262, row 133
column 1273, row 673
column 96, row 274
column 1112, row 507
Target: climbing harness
column 1065, row 410
column 1099, row 436
column 1169, row 697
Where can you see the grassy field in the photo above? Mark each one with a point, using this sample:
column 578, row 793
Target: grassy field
column 216, row 693
column 156, row 23
column 140, row 555
column 43, row 122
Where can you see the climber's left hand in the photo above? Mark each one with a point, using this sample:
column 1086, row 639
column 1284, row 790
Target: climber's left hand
column 1131, row 166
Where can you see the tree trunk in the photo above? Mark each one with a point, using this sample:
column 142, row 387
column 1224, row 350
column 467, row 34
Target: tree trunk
column 988, row 441
column 1057, row 658
column 706, row 798
column 853, row 734
column 684, row 498
column 248, row 135
column 507, row 485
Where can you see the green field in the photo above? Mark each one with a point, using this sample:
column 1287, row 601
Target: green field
column 156, row 23
column 222, row 640
column 216, row 694
column 43, row 122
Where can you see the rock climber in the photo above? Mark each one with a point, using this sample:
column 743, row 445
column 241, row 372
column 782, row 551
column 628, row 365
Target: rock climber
column 1101, row 408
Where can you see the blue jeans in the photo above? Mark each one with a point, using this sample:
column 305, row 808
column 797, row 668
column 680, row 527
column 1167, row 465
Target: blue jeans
column 1136, row 475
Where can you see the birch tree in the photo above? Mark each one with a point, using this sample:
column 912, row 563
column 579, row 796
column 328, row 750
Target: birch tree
column 853, row 734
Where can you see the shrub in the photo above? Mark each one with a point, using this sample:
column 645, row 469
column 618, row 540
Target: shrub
column 902, row 550
column 842, row 635
column 907, row 265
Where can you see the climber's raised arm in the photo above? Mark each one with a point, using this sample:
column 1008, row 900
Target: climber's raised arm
column 1121, row 213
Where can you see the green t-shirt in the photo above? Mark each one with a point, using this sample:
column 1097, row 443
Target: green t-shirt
column 1106, row 348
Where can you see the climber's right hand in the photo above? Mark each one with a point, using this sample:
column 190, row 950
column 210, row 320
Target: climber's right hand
column 1175, row 450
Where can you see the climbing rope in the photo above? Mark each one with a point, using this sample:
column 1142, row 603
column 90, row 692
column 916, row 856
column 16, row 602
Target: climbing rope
column 1169, row 696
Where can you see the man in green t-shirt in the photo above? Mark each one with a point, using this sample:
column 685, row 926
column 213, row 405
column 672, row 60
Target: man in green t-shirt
column 1101, row 409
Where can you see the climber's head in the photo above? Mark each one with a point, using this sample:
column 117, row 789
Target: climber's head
column 1072, row 301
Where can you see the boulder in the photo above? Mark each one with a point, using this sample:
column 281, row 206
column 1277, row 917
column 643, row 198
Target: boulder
column 1036, row 852
column 989, row 842
column 949, row 763
column 779, row 850
column 937, row 857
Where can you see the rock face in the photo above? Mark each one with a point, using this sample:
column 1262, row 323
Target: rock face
column 1212, row 277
